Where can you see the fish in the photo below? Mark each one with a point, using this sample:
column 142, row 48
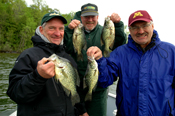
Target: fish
column 67, row 75
column 108, row 36
column 79, row 41
column 91, row 77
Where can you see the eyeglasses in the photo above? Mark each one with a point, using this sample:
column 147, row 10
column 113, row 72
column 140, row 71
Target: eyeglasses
column 136, row 28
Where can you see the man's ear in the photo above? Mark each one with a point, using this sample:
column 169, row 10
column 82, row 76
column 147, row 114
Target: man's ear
column 41, row 29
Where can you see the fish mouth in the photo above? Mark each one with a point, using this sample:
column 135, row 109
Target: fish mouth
column 90, row 58
column 52, row 58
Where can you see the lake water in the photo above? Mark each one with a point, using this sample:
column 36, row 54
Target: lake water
column 6, row 63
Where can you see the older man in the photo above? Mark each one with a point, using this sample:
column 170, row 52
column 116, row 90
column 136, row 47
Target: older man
column 89, row 17
column 146, row 70
column 31, row 84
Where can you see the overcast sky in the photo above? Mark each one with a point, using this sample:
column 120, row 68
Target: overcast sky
column 161, row 11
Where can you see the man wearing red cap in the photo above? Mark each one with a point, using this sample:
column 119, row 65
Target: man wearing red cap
column 146, row 70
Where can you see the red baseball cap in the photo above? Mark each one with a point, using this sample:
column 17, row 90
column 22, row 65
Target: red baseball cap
column 140, row 15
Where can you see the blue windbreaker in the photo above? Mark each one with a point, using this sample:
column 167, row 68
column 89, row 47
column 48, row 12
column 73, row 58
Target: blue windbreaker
column 146, row 85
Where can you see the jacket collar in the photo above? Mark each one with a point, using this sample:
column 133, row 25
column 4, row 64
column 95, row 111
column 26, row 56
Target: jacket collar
column 39, row 42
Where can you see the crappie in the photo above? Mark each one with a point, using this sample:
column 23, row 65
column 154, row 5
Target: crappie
column 108, row 36
column 91, row 77
column 67, row 75
column 79, row 41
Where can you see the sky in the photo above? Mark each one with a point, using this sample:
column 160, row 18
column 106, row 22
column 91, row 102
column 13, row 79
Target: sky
column 161, row 11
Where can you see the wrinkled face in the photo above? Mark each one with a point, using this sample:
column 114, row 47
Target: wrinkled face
column 89, row 22
column 53, row 30
column 142, row 32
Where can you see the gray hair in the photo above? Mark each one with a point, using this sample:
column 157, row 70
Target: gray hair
column 44, row 24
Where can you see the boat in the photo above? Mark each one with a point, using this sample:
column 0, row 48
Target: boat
column 8, row 113
column 111, row 107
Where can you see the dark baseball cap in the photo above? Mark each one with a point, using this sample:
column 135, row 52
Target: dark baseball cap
column 140, row 15
column 51, row 15
column 89, row 10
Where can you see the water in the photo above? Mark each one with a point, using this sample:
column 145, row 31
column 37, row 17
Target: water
column 113, row 87
column 6, row 63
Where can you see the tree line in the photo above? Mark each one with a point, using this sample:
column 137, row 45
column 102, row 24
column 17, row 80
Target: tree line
column 18, row 23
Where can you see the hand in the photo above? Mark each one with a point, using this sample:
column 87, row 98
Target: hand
column 46, row 70
column 85, row 114
column 115, row 18
column 94, row 51
column 74, row 23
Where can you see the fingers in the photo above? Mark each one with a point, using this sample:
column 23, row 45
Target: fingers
column 43, row 60
column 94, row 52
column 85, row 114
column 115, row 18
column 74, row 23
column 46, row 69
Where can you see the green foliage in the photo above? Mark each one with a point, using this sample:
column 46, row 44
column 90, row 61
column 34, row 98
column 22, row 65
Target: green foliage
column 18, row 23
column 68, row 17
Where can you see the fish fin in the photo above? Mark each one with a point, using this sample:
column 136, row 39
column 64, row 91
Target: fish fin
column 101, row 39
column 84, row 79
column 75, row 50
column 88, row 96
column 56, row 75
column 95, row 72
column 75, row 98
column 84, row 83
column 94, row 87
column 103, row 31
column 64, row 59
column 80, row 57
column 106, row 53
column 65, row 74
column 56, row 78
column 66, row 91
column 74, row 39
column 77, row 78
column 112, row 45
column 85, row 46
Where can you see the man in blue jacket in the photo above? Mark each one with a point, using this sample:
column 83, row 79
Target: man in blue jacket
column 146, row 70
